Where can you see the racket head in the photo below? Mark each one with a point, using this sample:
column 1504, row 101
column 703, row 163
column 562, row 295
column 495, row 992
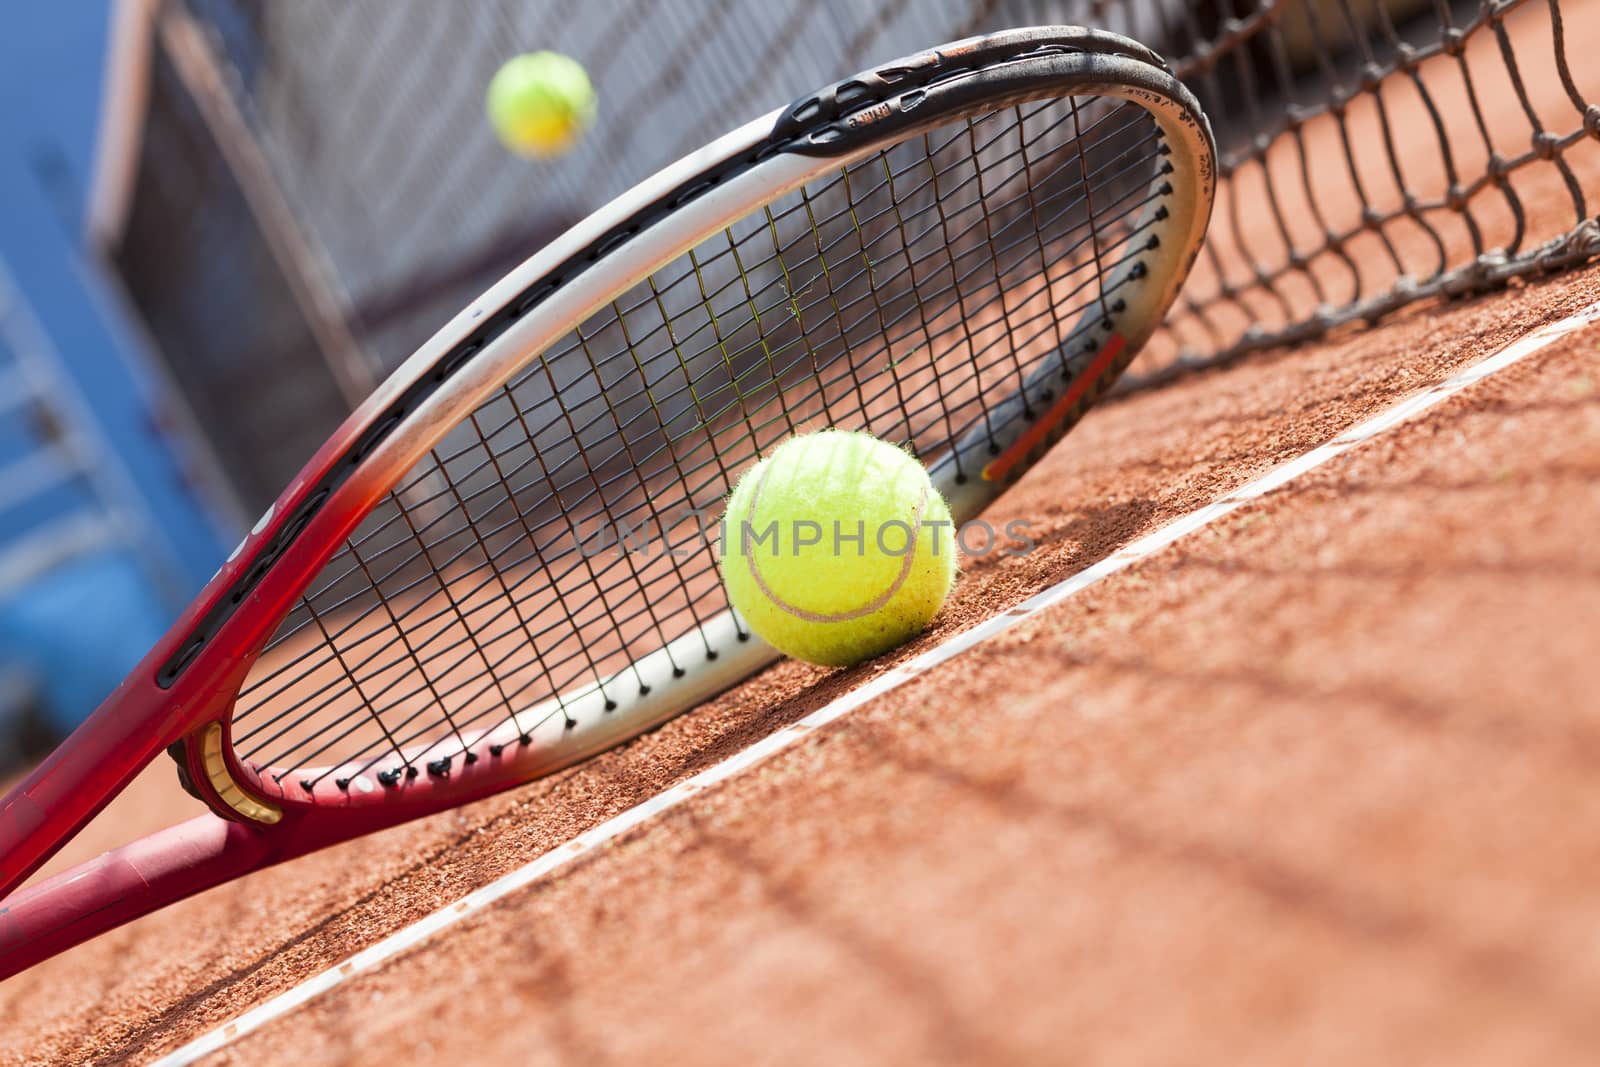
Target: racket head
column 959, row 250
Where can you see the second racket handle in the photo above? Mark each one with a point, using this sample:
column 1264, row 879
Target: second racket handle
column 76, row 905
column 78, row 779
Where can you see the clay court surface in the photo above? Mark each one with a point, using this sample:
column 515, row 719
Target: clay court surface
column 1314, row 785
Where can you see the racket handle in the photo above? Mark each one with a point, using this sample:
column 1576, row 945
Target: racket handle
column 78, row 779
column 76, row 905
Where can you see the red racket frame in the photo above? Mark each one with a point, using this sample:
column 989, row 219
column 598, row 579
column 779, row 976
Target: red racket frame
column 159, row 705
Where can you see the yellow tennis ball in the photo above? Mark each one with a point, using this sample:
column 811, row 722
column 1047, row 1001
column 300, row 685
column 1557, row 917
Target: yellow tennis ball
column 539, row 103
column 837, row 547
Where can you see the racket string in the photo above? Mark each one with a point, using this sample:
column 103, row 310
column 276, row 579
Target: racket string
column 452, row 647
column 543, row 545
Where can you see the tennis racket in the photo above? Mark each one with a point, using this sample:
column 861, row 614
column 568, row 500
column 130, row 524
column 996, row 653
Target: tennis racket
column 502, row 564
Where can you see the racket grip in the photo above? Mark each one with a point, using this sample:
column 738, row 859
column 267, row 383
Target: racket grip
column 120, row 886
column 79, row 778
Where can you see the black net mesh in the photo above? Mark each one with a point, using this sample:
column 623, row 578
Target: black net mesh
column 568, row 525
column 1375, row 150
column 1378, row 152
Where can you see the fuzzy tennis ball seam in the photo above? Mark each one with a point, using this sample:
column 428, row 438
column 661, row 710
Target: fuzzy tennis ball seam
column 826, row 604
column 908, row 561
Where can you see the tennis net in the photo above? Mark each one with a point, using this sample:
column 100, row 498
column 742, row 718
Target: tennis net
column 1373, row 153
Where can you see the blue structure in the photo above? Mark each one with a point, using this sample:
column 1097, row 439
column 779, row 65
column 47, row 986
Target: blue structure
column 104, row 535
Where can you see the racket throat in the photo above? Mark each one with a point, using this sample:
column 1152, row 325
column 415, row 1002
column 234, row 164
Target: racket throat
column 205, row 773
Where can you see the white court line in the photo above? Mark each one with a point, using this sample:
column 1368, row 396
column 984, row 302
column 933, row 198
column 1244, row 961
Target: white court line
column 1143, row 548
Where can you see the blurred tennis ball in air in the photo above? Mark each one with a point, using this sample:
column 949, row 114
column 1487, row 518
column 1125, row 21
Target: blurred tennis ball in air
column 837, row 548
column 540, row 103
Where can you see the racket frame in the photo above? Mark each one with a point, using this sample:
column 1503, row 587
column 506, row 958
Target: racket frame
column 180, row 696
